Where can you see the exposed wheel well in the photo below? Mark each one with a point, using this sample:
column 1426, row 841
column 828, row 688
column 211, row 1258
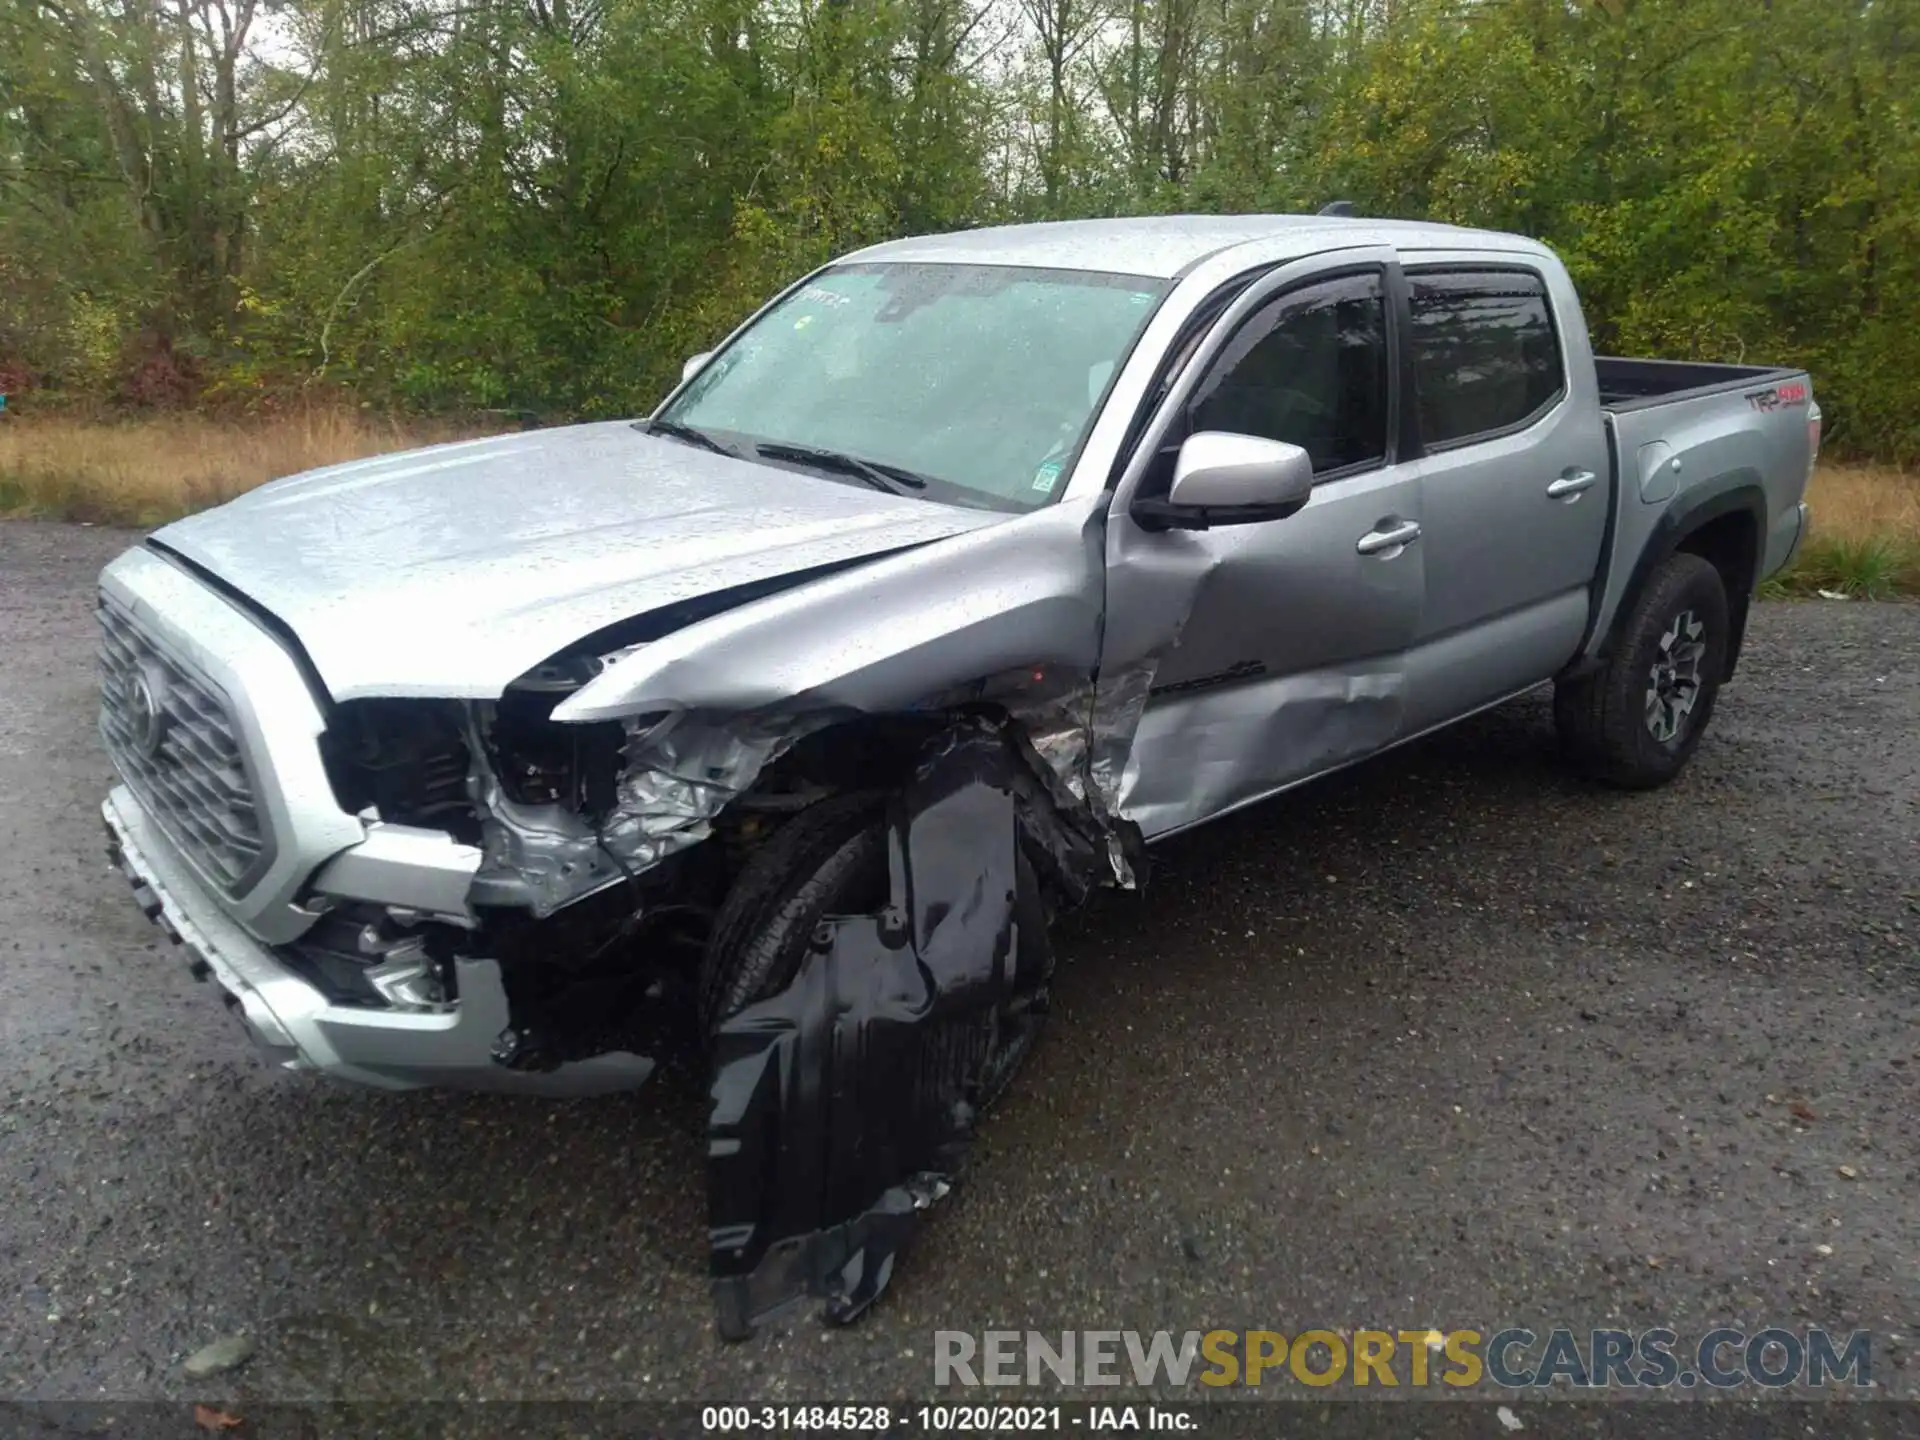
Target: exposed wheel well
column 1730, row 542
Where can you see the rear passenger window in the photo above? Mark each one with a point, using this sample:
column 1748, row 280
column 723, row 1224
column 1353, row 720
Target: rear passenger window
column 1485, row 357
column 1309, row 369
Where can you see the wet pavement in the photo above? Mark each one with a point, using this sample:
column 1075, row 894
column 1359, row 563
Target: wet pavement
column 1451, row 1039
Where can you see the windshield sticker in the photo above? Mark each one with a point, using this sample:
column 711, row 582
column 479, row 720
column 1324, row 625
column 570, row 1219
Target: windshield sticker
column 803, row 322
column 1046, row 477
column 1144, row 297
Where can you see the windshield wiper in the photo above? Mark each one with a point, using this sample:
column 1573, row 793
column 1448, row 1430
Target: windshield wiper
column 687, row 433
column 876, row 473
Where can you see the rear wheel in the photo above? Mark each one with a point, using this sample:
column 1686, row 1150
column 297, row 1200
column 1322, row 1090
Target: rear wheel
column 1636, row 722
column 831, row 860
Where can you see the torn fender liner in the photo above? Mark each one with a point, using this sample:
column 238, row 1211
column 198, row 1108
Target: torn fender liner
column 844, row 1105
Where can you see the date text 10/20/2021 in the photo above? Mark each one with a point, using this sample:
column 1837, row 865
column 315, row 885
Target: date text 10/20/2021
column 976, row 1419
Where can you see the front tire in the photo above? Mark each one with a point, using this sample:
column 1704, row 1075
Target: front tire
column 1636, row 722
column 831, row 860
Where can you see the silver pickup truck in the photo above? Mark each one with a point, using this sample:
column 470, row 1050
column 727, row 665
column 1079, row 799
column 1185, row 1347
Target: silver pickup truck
column 763, row 737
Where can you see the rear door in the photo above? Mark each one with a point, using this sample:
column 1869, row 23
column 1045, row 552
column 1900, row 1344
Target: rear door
column 1515, row 477
column 1273, row 650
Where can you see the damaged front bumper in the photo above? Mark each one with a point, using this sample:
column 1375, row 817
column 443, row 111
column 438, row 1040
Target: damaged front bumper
column 298, row 1027
column 842, row 1106
column 450, row 899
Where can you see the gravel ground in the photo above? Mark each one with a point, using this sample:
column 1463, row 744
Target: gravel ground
column 1450, row 1040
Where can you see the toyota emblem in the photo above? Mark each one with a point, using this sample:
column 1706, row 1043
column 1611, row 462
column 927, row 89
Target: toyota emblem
column 146, row 696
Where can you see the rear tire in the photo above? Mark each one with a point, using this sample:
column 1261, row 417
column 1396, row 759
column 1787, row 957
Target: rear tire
column 1636, row 722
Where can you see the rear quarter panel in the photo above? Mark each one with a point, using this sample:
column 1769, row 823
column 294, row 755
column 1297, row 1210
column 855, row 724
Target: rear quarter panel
column 1690, row 459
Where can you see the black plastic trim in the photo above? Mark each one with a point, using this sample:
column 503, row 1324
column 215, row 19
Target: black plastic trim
column 1402, row 412
column 1583, row 660
column 1673, row 529
column 1157, row 513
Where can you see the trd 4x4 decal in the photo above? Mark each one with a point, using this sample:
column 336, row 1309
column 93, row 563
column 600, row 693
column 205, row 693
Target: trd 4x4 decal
column 1778, row 397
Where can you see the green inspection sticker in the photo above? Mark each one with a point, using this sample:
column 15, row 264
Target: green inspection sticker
column 1046, row 477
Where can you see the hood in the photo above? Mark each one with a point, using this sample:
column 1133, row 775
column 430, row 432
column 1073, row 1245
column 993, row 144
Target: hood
column 453, row 570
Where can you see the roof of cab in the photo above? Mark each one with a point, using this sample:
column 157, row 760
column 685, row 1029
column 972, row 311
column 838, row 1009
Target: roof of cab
column 1169, row 245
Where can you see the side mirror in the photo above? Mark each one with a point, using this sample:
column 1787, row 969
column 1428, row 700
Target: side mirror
column 1222, row 479
column 694, row 365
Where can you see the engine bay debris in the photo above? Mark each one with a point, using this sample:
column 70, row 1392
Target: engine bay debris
column 676, row 774
column 844, row 1105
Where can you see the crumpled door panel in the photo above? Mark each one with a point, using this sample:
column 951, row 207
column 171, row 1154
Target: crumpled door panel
column 844, row 1105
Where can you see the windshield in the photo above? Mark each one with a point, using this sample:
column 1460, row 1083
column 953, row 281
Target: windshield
column 981, row 380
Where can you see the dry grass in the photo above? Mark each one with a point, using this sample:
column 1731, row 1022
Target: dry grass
column 143, row 472
column 1858, row 502
column 1865, row 540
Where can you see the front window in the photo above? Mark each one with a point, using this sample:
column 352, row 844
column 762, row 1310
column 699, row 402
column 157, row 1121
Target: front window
column 979, row 380
column 1309, row 369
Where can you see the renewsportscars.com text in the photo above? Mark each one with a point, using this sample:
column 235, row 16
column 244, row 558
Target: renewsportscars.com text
column 1514, row 1359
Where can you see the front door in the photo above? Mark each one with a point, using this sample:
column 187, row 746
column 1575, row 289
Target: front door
column 1276, row 650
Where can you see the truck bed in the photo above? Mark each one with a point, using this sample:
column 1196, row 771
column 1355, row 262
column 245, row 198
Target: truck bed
column 1677, row 428
column 1627, row 384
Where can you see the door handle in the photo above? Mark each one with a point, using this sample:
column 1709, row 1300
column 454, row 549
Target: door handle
column 1374, row 541
column 1571, row 484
